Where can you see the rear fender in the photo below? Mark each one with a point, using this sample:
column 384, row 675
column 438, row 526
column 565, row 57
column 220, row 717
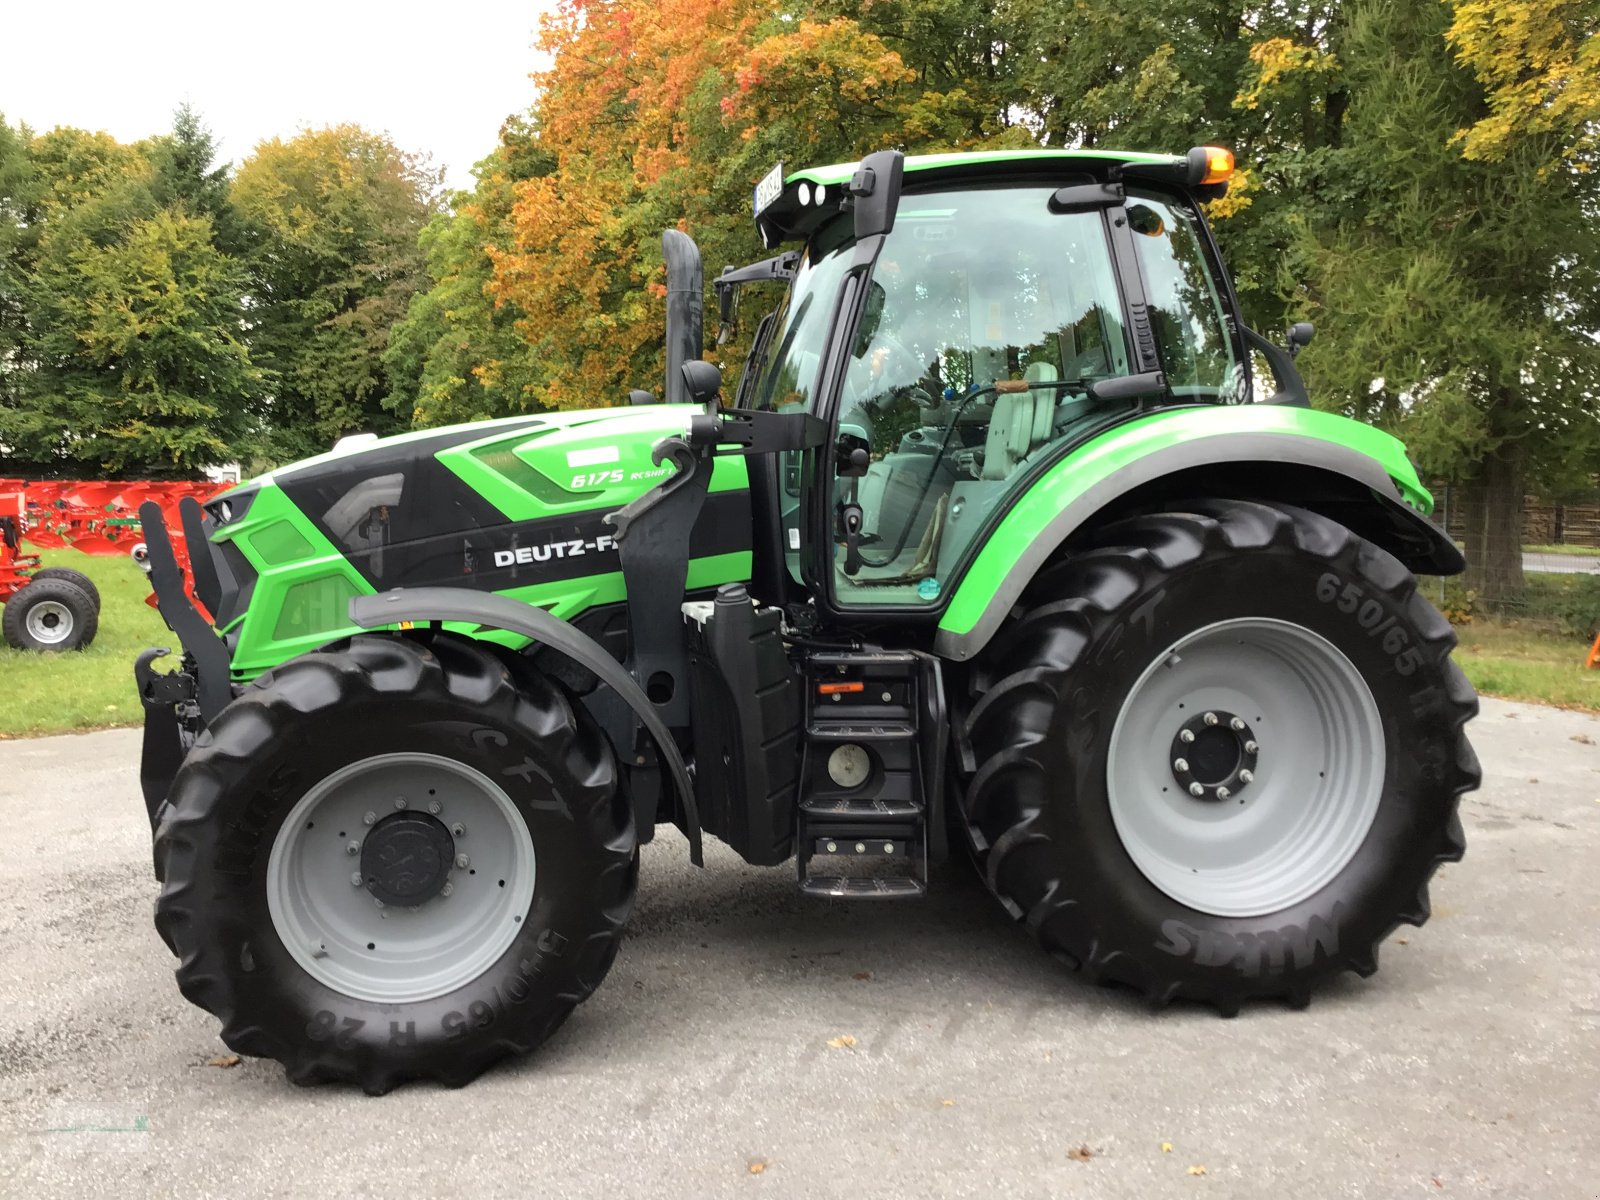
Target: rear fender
column 1328, row 463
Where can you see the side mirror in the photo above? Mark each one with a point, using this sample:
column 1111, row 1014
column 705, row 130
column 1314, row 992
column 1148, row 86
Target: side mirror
column 703, row 381
column 1300, row 335
column 851, row 455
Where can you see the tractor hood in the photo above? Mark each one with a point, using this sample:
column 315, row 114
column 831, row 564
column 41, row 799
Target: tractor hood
column 516, row 506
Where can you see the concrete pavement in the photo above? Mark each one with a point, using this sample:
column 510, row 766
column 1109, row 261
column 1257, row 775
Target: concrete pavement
column 1469, row 1066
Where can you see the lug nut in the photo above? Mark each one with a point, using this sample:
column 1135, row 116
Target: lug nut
column 462, row 861
column 1223, row 793
column 1180, row 764
column 459, row 829
column 1251, row 747
column 369, row 818
column 447, row 889
column 1247, row 777
column 1196, row 790
column 400, row 802
column 352, row 848
column 1211, row 718
column 1237, row 725
column 434, row 806
column 355, row 878
column 1186, row 736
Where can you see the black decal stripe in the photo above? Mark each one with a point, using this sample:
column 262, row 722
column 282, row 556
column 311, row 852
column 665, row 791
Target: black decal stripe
column 466, row 558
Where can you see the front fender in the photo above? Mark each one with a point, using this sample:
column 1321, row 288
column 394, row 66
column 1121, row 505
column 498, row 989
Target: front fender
column 502, row 612
column 1068, row 496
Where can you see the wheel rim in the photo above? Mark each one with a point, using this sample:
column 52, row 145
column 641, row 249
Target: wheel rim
column 49, row 622
column 440, row 840
column 1310, row 786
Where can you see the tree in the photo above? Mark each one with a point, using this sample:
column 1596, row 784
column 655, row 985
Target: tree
column 1455, row 292
column 20, row 196
column 666, row 115
column 188, row 177
column 458, row 356
column 141, row 368
column 331, row 220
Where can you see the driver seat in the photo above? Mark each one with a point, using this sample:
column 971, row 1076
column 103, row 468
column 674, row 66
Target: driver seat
column 1022, row 421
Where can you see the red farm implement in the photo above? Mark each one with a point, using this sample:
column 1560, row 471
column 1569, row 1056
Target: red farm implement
column 58, row 608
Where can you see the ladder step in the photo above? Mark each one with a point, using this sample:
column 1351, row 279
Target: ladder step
column 897, row 888
column 861, row 810
column 861, row 733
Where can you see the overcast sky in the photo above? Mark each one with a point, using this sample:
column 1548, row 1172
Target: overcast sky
column 439, row 78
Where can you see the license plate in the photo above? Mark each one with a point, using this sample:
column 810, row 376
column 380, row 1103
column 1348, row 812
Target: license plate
column 769, row 189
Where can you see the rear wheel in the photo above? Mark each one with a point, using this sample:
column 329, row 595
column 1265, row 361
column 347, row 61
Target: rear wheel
column 1220, row 754
column 391, row 861
column 50, row 615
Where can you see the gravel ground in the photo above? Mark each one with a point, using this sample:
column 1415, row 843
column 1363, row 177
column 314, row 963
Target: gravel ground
column 1469, row 1066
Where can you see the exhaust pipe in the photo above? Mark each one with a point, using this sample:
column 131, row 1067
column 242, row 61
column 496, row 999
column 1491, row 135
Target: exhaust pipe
column 685, row 311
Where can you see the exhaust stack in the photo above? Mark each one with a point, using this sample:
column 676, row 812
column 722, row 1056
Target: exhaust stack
column 685, row 311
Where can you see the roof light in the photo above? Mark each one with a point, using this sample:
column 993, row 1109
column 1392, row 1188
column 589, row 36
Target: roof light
column 1219, row 165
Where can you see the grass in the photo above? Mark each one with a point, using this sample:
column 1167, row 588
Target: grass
column 1574, row 551
column 1515, row 662
column 92, row 688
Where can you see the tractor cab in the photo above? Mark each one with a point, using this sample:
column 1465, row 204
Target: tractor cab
column 963, row 332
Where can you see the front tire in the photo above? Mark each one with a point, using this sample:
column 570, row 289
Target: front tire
column 390, row 861
column 1219, row 754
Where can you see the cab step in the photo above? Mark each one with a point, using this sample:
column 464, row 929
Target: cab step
column 839, row 888
column 862, row 820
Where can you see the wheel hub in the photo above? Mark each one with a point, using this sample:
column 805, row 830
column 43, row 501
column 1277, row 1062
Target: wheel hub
column 1213, row 755
column 406, row 858
column 49, row 622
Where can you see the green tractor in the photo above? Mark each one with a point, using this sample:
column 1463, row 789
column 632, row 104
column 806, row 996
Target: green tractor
column 1004, row 549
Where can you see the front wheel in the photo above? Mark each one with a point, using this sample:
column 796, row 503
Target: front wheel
column 1220, row 754
column 390, row 861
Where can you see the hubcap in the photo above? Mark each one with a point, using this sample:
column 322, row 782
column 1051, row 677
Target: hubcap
column 400, row 877
column 1245, row 767
column 406, row 858
column 49, row 622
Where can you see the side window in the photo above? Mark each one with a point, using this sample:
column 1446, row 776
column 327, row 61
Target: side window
column 1187, row 312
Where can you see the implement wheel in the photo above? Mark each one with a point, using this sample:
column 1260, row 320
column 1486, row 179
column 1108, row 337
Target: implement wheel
column 1220, row 754
column 50, row 615
column 391, row 861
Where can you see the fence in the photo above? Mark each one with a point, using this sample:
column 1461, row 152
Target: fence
column 1541, row 566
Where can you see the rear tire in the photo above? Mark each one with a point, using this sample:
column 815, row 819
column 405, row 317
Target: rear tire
column 1349, row 736
column 384, row 769
column 50, row 615
column 71, row 576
